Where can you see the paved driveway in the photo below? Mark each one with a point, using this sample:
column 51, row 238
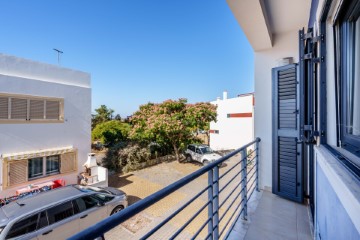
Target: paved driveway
column 142, row 183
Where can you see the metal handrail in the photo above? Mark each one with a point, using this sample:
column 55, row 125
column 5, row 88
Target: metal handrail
column 111, row 222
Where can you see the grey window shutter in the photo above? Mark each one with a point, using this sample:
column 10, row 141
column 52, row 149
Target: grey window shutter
column 52, row 110
column 36, row 109
column 19, row 108
column 4, row 107
column 287, row 152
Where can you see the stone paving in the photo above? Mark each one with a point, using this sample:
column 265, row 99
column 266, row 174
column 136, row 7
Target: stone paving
column 142, row 183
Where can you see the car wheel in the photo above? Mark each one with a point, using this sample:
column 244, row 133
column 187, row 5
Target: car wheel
column 188, row 158
column 206, row 162
column 116, row 210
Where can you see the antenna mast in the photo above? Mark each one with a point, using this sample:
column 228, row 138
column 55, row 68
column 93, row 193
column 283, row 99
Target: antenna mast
column 58, row 53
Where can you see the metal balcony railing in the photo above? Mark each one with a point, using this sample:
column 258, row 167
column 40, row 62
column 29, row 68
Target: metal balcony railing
column 221, row 215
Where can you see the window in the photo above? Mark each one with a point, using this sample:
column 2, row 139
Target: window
column 43, row 220
column 103, row 197
column 20, row 108
column 36, row 109
column 60, row 212
column 348, row 64
column 84, row 203
column 4, row 107
column 35, row 167
column 21, row 171
column 22, row 227
column 52, row 164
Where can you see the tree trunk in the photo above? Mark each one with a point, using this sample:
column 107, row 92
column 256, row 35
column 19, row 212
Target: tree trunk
column 176, row 150
column 208, row 138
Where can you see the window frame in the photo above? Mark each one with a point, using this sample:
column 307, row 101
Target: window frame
column 44, row 167
column 349, row 12
column 28, row 99
column 21, row 220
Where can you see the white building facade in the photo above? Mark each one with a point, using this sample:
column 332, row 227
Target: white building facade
column 45, row 123
column 234, row 126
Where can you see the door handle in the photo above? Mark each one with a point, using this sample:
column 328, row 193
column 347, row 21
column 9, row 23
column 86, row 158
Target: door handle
column 45, row 233
column 84, row 216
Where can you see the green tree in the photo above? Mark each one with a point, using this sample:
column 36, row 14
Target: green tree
column 111, row 132
column 171, row 122
column 117, row 117
column 103, row 114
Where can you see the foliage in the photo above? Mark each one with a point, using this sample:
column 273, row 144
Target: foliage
column 103, row 114
column 126, row 155
column 171, row 123
column 117, row 117
column 111, row 132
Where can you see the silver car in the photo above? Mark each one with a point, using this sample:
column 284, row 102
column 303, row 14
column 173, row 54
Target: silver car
column 59, row 213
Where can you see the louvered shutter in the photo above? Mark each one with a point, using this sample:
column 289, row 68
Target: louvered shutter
column 52, row 110
column 68, row 162
column 287, row 151
column 19, row 108
column 17, row 172
column 4, row 107
column 36, row 109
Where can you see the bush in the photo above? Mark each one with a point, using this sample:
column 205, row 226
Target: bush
column 111, row 132
column 126, row 154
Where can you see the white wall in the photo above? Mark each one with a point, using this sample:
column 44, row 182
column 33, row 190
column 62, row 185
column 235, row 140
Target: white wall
column 74, row 131
column 233, row 132
column 337, row 199
column 284, row 45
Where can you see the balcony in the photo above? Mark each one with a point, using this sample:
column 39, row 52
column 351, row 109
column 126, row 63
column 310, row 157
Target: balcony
column 229, row 205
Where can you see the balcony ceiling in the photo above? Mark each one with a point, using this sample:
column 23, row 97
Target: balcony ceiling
column 287, row 15
column 261, row 19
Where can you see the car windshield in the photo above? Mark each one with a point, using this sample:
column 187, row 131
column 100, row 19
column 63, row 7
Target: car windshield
column 93, row 189
column 206, row 150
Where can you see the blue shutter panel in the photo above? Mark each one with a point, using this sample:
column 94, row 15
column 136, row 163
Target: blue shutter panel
column 287, row 152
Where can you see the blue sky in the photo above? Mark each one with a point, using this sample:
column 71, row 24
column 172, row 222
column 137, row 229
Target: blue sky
column 135, row 50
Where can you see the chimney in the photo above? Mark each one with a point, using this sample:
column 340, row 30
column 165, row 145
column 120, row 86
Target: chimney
column 225, row 93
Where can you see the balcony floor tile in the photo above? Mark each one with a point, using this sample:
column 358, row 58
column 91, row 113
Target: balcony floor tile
column 273, row 217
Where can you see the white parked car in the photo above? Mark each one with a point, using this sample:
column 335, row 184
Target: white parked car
column 59, row 213
column 201, row 153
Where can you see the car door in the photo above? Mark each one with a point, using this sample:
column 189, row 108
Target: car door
column 58, row 222
column 90, row 210
column 197, row 154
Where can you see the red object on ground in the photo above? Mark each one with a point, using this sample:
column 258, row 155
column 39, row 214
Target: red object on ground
column 35, row 187
column 59, row 183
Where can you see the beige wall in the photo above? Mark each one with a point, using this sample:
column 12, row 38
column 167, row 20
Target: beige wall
column 284, row 45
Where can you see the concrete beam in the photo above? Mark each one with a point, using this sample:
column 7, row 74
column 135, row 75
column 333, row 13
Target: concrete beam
column 252, row 18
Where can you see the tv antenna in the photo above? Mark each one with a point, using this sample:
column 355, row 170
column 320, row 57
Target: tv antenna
column 58, row 53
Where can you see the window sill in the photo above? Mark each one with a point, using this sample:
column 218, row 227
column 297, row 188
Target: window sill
column 13, row 121
column 343, row 182
column 346, row 158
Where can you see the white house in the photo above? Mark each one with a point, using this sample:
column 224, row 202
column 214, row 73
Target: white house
column 234, row 126
column 45, row 123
